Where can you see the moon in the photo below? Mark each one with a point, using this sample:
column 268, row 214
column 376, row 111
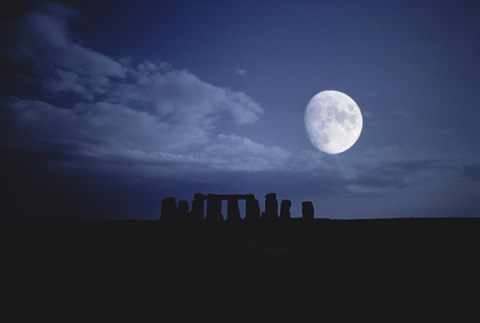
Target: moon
column 333, row 121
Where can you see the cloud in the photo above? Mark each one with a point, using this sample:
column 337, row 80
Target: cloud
column 103, row 125
column 375, row 172
column 240, row 153
column 472, row 172
column 43, row 39
column 401, row 113
column 240, row 71
column 104, row 129
column 181, row 97
column 146, row 112
column 64, row 66
column 368, row 114
column 391, row 175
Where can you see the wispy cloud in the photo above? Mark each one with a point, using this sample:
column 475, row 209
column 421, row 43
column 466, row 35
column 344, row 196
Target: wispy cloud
column 401, row 113
column 472, row 171
column 149, row 108
column 240, row 71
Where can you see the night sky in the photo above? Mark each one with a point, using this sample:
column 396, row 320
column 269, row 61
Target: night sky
column 106, row 107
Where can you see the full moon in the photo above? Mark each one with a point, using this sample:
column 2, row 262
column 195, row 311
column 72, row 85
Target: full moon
column 333, row 121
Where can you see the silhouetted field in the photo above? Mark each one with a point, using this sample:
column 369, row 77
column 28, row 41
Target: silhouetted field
column 399, row 270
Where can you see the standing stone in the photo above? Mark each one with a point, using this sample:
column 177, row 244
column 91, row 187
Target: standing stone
column 285, row 209
column 214, row 210
column 168, row 211
column 233, row 212
column 271, row 207
column 308, row 212
column 197, row 215
column 252, row 210
column 182, row 214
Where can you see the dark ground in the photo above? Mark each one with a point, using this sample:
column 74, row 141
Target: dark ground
column 400, row 270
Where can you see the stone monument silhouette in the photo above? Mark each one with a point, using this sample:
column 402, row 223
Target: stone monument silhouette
column 252, row 210
column 197, row 214
column 285, row 210
column 182, row 215
column 271, row 208
column 172, row 213
column 307, row 210
column 168, row 210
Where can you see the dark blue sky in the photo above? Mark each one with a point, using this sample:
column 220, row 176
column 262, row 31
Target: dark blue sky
column 106, row 107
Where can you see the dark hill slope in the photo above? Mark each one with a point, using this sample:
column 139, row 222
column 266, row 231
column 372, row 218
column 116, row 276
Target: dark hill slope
column 399, row 270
